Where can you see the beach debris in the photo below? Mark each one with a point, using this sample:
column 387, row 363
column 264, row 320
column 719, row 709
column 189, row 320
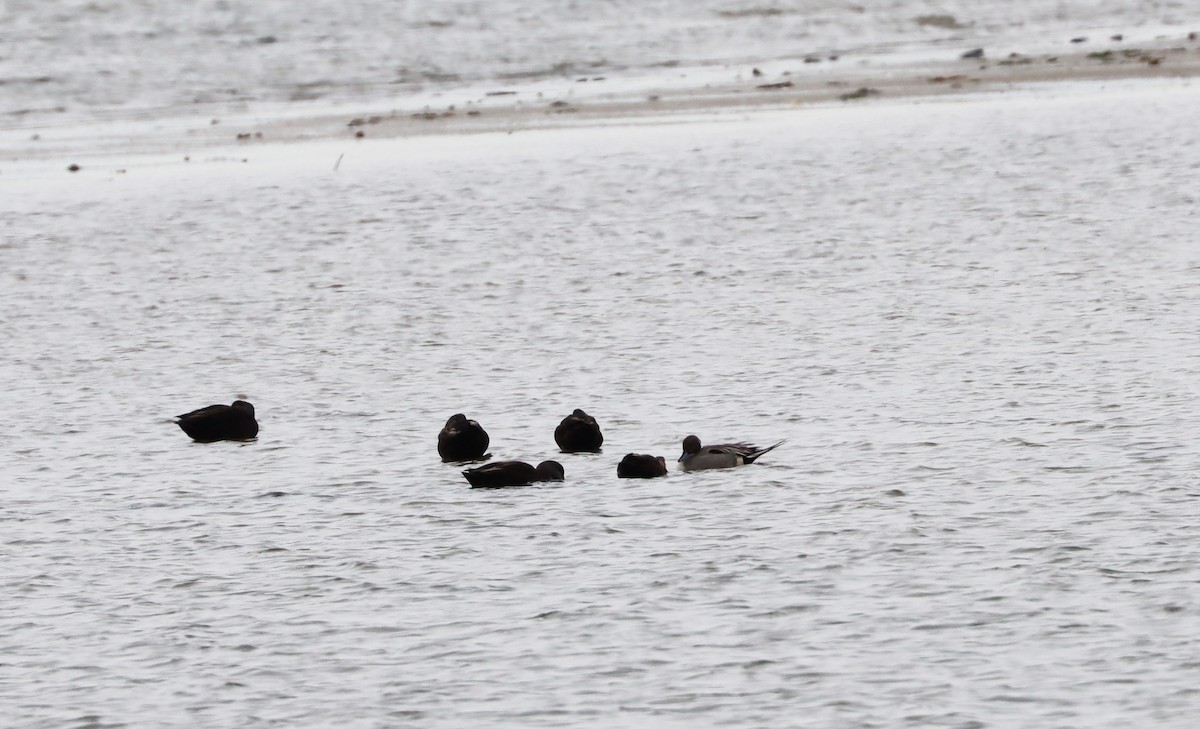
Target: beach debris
column 1130, row 53
column 948, row 22
column 812, row 59
column 1117, row 37
column 49, row 109
column 763, row 12
column 777, row 85
column 973, row 53
column 948, row 79
column 359, row 134
column 339, row 162
column 500, row 93
column 1015, row 59
column 73, row 167
column 360, row 121
column 755, row 73
column 860, row 93
column 1079, row 39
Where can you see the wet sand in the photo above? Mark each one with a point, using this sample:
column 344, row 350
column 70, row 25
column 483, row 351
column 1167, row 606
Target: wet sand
column 675, row 96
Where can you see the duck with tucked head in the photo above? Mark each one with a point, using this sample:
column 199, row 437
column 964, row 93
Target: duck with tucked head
column 462, row 440
column 726, row 455
column 578, row 433
column 641, row 465
column 220, row 422
column 513, row 473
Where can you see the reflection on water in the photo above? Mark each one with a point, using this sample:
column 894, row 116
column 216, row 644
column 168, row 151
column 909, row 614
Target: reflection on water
column 971, row 323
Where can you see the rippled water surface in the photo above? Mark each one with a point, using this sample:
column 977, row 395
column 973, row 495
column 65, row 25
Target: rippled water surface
column 974, row 322
column 81, row 57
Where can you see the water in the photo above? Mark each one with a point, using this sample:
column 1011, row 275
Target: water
column 96, row 58
column 974, row 324
column 972, row 319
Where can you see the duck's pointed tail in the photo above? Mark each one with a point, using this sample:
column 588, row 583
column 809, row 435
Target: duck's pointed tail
column 754, row 456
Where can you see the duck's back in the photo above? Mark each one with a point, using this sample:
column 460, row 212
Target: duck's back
column 462, row 440
column 219, row 422
column 641, row 465
column 502, row 473
column 578, row 433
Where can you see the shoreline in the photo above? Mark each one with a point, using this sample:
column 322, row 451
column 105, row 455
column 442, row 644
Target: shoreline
column 680, row 96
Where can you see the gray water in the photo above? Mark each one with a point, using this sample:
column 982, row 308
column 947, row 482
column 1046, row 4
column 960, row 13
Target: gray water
column 975, row 323
column 82, row 59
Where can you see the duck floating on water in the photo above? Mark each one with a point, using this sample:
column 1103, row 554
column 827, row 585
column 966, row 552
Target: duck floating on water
column 462, row 439
column 641, row 465
column 220, row 422
column 578, row 433
column 513, row 473
column 726, row 455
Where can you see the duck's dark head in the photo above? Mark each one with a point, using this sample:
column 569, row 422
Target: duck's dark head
column 551, row 471
column 691, row 444
column 243, row 406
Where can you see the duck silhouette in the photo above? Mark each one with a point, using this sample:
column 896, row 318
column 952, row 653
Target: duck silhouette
column 641, row 465
column 513, row 473
column 462, row 439
column 578, row 433
column 220, row 422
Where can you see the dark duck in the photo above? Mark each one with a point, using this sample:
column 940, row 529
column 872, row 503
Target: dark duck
column 220, row 422
column 513, row 473
column 462, row 439
column 578, row 433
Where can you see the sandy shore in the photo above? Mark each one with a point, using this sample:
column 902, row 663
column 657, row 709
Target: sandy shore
column 674, row 96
